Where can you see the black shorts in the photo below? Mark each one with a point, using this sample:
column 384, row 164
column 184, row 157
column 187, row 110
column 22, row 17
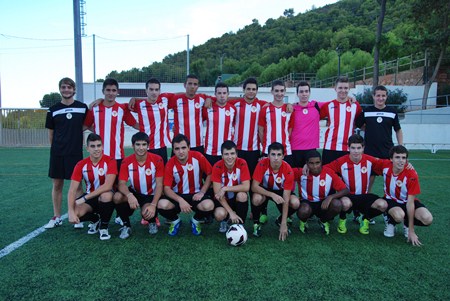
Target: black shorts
column 188, row 198
column 231, row 202
column 392, row 204
column 93, row 203
column 299, row 157
column 329, row 156
column 162, row 152
column 251, row 157
column 61, row 167
column 141, row 198
column 277, row 192
column 362, row 202
column 316, row 208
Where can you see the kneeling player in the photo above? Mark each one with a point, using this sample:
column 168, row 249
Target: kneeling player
column 315, row 192
column 99, row 173
column 401, row 185
column 355, row 169
column 273, row 179
column 231, row 182
column 184, row 185
column 145, row 172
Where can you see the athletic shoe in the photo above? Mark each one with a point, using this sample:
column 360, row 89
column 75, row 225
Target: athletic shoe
column 125, row 232
column 385, row 218
column 325, row 227
column 342, row 226
column 364, row 226
column 53, row 223
column 263, row 218
column 303, row 227
column 158, row 223
column 257, row 230
column 389, row 230
column 118, row 220
column 206, row 220
column 144, row 222
column 79, row 226
column 196, row 228
column 372, row 221
column 174, row 227
column 405, row 231
column 152, row 228
column 104, row 234
column 93, row 227
column 223, row 227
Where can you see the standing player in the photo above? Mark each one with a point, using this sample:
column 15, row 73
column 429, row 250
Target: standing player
column 273, row 179
column 275, row 123
column 219, row 123
column 65, row 131
column 98, row 172
column 145, row 171
column 355, row 170
column 315, row 189
column 341, row 113
column 401, row 185
column 231, row 182
column 305, row 133
column 184, row 185
column 153, row 117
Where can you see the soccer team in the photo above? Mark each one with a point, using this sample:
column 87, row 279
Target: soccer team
column 252, row 149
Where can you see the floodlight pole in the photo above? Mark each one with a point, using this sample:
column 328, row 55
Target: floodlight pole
column 95, row 79
column 187, row 56
column 78, row 52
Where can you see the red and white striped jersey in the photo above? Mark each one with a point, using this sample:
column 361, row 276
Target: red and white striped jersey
column 398, row 187
column 142, row 177
column 239, row 174
column 186, row 178
column 268, row 179
column 341, row 121
column 276, row 123
column 188, row 117
column 219, row 127
column 108, row 123
column 356, row 176
column 153, row 120
column 246, row 126
column 317, row 188
column 94, row 175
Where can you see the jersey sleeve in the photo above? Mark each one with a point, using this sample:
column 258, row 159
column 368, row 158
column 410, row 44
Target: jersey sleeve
column 324, row 110
column 123, row 173
column 217, row 173
column 168, row 172
column 360, row 120
column 89, row 120
column 396, row 124
column 338, row 184
column 205, row 165
column 112, row 167
column 77, row 174
column 297, row 173
column 289, row 182
column 245, row 172
column 49, row 124
column 413, row 185
column 259, row 172
column 262, row 117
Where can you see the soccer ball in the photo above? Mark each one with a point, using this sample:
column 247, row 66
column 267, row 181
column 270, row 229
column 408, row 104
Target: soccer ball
column 236, row 235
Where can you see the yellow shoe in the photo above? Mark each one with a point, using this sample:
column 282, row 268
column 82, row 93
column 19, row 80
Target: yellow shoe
column 342, row 226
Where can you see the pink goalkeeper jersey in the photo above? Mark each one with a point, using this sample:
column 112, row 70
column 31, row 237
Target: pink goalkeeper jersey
column 306, row 129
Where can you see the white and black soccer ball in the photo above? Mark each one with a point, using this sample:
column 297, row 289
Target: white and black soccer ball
column 236, row 235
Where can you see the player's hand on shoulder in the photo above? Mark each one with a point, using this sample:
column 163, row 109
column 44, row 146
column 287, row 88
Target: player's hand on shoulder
column 95, row 103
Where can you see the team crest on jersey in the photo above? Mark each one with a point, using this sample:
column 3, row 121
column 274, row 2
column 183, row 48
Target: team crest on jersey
column 190, row 167
column 278, row 180
column 161, row 106
column 399, row 183
column 101, row 171
column 148, row 171
column 69, row 115
column 305, row 111
column 322, row 183
column 283, row 114
column 227, row 113
column 349, row 109
column 254, row 109
column 197, row 105
column 234, row 177
column 379, row 119
column 114, row 113
column 364, row 169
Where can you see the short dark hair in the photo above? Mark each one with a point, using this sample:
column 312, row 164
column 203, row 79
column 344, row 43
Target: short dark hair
column 93, row 137
column 227, row 145
column 398, row 149
column 152, row 81
column 221, row 85
column 67, row 81
column 110, row 82
column 380, row 88
column 250, row 80
column 140, row 136
column 180, row 138
column 276, row 146
column 278, row 83
column 312, row 154
column 303, row 84
column 341, row 79
column 190, row 76
column 355, row 139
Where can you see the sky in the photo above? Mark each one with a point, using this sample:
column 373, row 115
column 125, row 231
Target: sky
column 37, row 47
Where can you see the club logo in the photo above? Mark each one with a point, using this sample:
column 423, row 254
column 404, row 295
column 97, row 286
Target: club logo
column 197, row 105
column 278, row 180
column 305, row 111
column 234, row 177
column 114, row 113
column 399, row 183
column 161, row 106
column 227, row 113
column 322, row 183
column 379, row 119
column 101, row 171
column 148, row 171
column 349, row 109
column 69, row 115
column 283, row 114
column 364, row 169
column 254, row 109
column 190, row 167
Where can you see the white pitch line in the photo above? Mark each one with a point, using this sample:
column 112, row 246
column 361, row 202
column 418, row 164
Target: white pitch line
column 17, row 244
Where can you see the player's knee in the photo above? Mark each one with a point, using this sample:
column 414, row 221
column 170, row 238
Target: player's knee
column 304, row 212
column 165, row 204
column 118, row 198
column 426, row 218
column 294, row 202
column 397, row 215
column 241, row 197
column 381, row 205
column 206, row 205
column 257, row 199
column 346, row 204
column 220, row 214
column 336, row 205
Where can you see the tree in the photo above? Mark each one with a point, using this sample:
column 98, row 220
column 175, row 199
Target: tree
column 288, row 13
column 50, row 99
column 432, row 22
column 376, row 52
